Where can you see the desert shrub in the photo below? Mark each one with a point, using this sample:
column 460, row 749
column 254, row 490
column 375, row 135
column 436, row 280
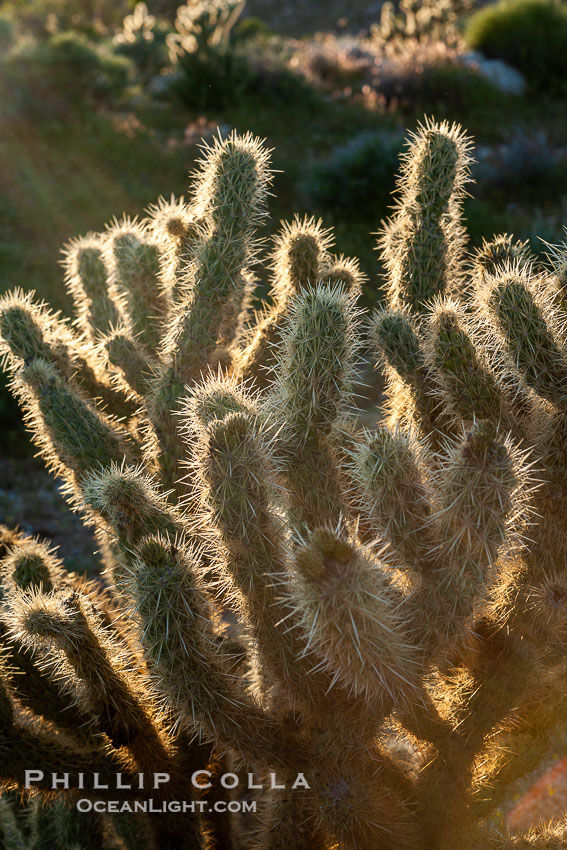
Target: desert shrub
column 447, row 87
column 218, row 78
column 252, row 28
column 333, row 62
column 7, row 32
column 357, row 176
column 215, row 80
column 211, row 78
column 528, row 34
column 72, row 56
column 433, row 79
column 68, row 69
column 275, row 84
column 43, row 18
column 526, row 164
column 428, row 75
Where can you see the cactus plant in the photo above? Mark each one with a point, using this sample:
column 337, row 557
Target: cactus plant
column 359, row 631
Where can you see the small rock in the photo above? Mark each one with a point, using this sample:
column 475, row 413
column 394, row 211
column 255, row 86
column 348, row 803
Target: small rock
column 499, row 73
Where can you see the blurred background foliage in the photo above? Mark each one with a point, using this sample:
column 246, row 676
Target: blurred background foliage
column 103, row 104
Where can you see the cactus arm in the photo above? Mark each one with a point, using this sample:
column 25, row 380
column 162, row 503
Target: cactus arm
column 97, row 303
column 482, row 490
column 73, row 436
column 392, row 493
column 173, row 612
column 312, row 391
column 135, row 262
column 422, row 246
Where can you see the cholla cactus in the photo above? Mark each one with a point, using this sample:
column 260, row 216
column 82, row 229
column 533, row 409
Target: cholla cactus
column 203, row 24
column 417, row 23
column 368, row 623
column 138, row 26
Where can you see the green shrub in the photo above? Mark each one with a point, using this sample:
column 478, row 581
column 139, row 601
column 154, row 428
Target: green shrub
column 526, row 165
column 68, row 69
column 217, row 78
column 530, row 35
column 7, row 32
column 99, row 71
column 357, row 175
column 211, row 79
column 440, row 86
column 276, row 84
column 42, row 18
column 250, row 28
column 447, row 88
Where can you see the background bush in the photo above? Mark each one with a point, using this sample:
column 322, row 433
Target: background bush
column 47, row 77
column 42, row 18
column 215, row 79
column 531, row 35
column 357, row 176
column 7, row 32
column 211, row 78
